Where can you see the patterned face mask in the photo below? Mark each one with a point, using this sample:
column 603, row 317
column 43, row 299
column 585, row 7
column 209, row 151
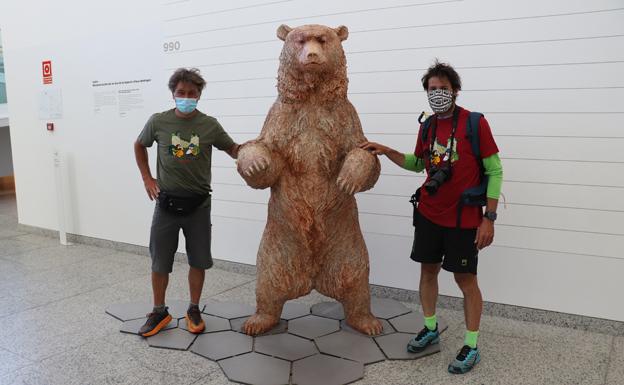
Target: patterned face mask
column 440, row 100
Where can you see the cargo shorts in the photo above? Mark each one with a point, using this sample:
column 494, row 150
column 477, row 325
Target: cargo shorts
column 165, row 233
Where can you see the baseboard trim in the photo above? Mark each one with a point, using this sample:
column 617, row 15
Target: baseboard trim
column 546, row 317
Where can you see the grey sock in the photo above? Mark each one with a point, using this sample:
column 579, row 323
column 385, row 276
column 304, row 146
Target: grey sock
column 160, row 308
column 191, row 304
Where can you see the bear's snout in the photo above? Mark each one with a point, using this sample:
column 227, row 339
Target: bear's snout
column 311, row 54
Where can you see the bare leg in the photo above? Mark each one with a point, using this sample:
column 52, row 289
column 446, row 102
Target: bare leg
column 473, row 302
column 159, row 287
column 196, row 283
column 429, row 287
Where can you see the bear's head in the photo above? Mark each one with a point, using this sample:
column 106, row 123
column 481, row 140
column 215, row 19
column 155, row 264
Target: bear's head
column 312, row 61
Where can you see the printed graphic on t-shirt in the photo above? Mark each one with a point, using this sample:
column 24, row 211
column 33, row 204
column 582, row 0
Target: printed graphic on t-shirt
column 183, row 149
column 440, row 153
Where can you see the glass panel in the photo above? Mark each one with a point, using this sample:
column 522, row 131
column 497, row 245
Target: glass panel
column 3, row 98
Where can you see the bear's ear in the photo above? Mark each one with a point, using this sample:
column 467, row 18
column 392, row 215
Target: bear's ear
column 342, row 32
column 283, row 31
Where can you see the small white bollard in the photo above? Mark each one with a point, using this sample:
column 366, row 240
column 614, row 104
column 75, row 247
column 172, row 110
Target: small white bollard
column 60, row 197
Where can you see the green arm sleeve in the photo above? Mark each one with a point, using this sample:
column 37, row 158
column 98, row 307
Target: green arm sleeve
column 413, row 163
column 494, row 170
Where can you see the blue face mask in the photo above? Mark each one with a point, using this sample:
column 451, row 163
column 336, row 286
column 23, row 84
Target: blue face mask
column 186, row 105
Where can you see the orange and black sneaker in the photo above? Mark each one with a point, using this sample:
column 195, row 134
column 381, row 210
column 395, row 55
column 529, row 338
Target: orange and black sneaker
column 194, row 321
column 156, row 321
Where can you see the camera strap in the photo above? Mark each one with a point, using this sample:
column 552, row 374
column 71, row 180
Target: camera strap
column 449, row 150
column 432, row 123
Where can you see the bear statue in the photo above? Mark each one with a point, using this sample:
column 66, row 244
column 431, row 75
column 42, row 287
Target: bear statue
column 307, row 154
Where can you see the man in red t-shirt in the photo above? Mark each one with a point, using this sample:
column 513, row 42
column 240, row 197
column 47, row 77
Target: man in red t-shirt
column 442, row 240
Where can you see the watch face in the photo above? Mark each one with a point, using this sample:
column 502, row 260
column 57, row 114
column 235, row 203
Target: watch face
column 490, row 216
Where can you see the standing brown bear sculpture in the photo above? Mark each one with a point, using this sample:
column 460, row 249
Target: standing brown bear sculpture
column 308, row 154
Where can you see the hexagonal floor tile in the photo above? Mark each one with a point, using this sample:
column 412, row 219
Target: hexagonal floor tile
column 326, row 370
column 256, row 369
column 213, row 324
column 413, row 323
column 294, row 310
column 331, row 310
column 177, row 339
column 312, row 326
column 129, row 311
column 285, row 346
column 351, row 346
column 178, row 308
column 135, row 310
column 237, row 326
column 387, row 308
column 394, row 347
column 387, row 328
column 229, row 310
column 220, row 345
column 133, row 326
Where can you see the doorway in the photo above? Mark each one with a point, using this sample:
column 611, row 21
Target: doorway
column 7, row 178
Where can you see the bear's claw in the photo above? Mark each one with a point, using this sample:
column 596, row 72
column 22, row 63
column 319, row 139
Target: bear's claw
column 368, row 325
column 259, row 324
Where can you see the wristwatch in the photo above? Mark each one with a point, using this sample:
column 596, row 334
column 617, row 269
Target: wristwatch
column 490, row 215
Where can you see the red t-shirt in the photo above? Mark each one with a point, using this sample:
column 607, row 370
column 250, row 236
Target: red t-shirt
column 441, row 208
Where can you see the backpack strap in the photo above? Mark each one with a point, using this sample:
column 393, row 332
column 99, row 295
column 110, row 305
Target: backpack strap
column 473, row 131
column 474, row 196
column 426, row 125
column 424, row 135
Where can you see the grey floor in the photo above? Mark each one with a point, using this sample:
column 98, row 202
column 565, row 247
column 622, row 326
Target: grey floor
column 53, row 328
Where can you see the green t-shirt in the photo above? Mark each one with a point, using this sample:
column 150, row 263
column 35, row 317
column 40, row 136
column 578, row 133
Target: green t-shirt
column 184, row 150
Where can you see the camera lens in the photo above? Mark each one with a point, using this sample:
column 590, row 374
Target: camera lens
column 438, row 176
column 432, row 187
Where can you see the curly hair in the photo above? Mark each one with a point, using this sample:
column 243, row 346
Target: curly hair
column 190, row 75
column 442, row 70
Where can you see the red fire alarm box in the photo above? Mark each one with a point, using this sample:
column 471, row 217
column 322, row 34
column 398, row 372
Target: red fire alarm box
column 50, row 126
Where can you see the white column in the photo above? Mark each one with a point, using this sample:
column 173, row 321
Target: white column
column 60, row 196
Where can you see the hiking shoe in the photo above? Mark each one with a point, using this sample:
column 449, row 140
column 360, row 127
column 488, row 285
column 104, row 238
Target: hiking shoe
column 466, row 359
column 425, row 338
column 156, row 321
column 194, row 321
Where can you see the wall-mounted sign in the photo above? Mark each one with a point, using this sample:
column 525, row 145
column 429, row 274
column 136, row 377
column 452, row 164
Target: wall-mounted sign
column 46, row 69
column 119, row 97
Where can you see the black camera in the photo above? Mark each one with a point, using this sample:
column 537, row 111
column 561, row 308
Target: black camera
column 439, row 175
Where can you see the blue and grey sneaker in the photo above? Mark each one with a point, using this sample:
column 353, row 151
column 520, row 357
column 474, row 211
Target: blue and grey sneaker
column 466, row 359
column 425, row 338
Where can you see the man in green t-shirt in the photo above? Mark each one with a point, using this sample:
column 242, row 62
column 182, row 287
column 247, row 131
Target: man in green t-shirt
column 185, row 137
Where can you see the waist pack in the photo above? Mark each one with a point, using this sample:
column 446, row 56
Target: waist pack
column 178, row 204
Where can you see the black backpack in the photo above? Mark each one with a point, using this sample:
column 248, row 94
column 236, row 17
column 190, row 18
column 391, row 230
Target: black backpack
column 473, row 196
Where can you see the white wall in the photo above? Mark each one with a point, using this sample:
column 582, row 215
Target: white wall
column 549, row 77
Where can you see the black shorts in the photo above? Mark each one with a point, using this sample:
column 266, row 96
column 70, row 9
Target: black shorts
column 454, row 248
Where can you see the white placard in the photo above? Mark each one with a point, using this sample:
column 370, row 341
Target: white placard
column 50, row 104
column 120, row 98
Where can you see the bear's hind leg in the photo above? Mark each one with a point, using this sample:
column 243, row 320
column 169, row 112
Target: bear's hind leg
column 263, row 320
column 357, row 310
column 281, row 276
column 345, row 278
